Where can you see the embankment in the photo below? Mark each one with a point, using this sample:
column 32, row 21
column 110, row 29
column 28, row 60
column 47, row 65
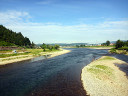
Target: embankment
column 103, row 78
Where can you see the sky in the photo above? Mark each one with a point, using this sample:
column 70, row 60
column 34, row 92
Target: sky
column 67, row 21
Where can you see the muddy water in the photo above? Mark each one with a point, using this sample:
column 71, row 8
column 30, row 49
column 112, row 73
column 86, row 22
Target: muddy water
column 58, row 76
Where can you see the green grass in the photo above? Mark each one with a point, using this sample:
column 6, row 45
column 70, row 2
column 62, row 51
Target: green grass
column 96, row 69
column 102, row 67
column 107, row 58
column 9, row 55
column 123, row 50
column 5, row 51
column 39, row 51
column 34, row 52
column 100, row 71
column 14, row 58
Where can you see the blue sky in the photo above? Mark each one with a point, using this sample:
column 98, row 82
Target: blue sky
column 66, row 21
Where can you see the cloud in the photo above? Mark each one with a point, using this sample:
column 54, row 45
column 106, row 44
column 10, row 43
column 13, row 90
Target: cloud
column 13, row 17
column 56, row 32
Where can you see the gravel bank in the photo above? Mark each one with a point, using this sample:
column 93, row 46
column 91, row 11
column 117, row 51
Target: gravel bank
column 103, row 78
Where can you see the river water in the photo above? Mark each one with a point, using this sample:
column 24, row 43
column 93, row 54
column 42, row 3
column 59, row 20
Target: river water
column 58, row 76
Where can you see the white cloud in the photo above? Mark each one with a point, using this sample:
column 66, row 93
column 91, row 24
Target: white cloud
column 55, row 32
column 13, row 17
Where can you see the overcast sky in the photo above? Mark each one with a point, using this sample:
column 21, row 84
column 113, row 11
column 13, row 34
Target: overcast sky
column 66, row 21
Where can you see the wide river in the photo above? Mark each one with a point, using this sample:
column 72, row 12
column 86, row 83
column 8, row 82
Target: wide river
column 58, row 76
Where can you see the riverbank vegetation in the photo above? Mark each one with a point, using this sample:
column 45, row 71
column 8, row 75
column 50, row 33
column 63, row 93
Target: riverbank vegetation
column 33, row 52
column 121, row 47
column 49, row 47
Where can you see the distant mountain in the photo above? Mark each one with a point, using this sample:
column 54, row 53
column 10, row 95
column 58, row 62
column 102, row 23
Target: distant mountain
column 65, row 44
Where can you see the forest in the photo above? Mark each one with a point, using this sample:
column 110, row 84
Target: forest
column 11, row 38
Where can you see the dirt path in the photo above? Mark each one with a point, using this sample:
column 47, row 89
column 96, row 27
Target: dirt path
column 103, row 78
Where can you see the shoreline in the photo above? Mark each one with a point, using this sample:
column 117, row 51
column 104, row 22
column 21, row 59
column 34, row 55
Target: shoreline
column 103, row 78
column 13, row 59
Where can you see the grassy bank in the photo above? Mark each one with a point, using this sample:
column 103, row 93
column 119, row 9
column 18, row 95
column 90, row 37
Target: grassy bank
column 28, row 54
column 34, row 52
column 103, row 78
column 123, row 50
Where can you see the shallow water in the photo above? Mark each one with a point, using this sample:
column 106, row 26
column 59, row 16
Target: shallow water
column 58, row 76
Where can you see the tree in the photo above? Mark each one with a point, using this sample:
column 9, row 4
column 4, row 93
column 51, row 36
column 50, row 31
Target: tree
column 27, row 42
column 107, row 43
column 103, row 44
column 82, row 45
column 77, row 46
column 44, row 46
column 56, row 47
column 32, row 45
column 50, row 47
column 126, row 43
column 119, row 44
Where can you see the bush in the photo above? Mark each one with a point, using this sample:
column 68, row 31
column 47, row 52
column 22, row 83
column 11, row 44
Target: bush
column 123, row 48
column 119, row 44
column 113, row 50
column 3, row 43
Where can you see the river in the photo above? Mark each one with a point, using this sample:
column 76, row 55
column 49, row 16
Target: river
column 58, row 76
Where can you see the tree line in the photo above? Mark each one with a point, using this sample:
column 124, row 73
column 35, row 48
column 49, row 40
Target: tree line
column 11, row 38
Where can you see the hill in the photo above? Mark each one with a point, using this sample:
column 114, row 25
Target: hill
column 11, row 38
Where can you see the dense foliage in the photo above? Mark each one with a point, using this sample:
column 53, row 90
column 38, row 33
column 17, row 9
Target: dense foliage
column 50, row 47
column 121, row 44
column 10, row 38
column 3, row 43
column 106, row 44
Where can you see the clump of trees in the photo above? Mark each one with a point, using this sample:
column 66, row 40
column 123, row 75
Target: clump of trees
column 49, row 47
column 82, row 45
column 11, row 38
column 106, row 44
column 120, row 44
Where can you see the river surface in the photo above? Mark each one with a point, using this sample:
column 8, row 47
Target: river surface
column 58, row 76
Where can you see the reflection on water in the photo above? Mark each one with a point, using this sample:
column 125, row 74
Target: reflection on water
column 58, row 76
column 38, row 58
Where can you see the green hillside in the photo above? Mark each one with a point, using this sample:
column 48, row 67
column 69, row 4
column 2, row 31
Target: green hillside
column 11, row 38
